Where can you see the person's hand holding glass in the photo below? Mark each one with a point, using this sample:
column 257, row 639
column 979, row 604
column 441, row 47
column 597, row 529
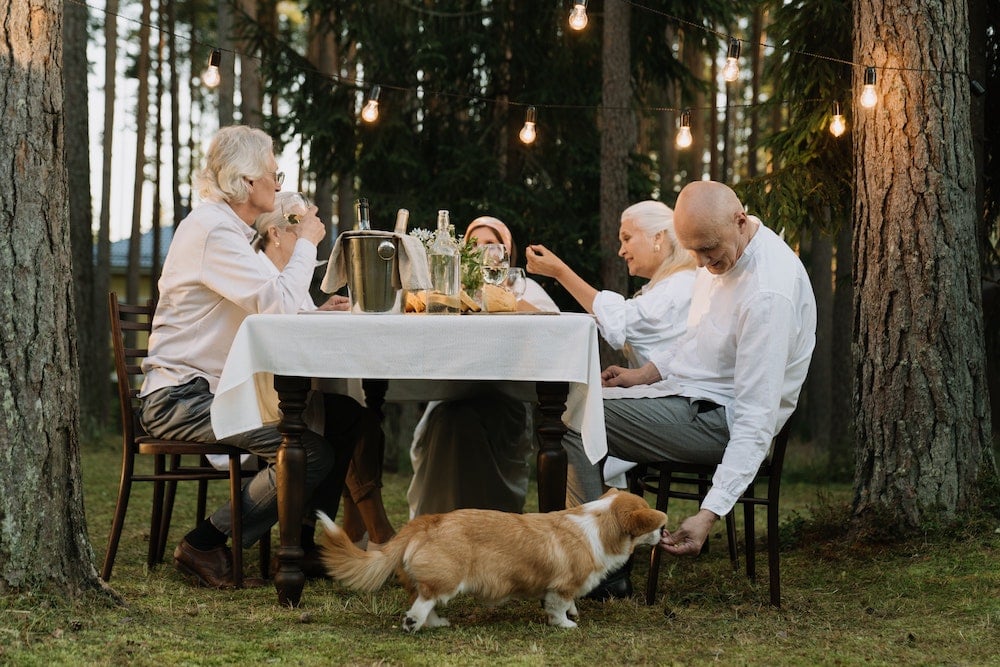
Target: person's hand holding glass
column 293, row 207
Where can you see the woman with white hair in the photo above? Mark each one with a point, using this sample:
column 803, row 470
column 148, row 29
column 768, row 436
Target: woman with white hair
column 211, row 281
column 657, row 315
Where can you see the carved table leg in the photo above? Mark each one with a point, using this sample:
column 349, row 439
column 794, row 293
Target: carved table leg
column 290, row 470
column 551, row 455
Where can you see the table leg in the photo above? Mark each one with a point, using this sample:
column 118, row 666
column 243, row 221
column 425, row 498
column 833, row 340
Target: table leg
column 290, row 470
column 551, row 455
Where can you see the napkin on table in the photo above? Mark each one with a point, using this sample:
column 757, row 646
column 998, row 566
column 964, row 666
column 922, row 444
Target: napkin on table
column 414, row 273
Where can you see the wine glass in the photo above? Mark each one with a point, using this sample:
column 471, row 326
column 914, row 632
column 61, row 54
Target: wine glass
column 292, row 206
column 517, row 282
column 496, row 262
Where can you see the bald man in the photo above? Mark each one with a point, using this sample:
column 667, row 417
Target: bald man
column 728, row 386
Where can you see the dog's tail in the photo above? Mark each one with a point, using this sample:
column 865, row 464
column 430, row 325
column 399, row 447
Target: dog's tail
column 361, row 570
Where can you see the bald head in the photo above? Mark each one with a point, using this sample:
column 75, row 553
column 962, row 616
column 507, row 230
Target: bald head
column 710, row 223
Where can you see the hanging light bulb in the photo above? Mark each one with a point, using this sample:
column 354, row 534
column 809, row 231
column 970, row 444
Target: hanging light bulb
column 684, row 138
column 527, row 134
column 869, row 97
column 369, row 113
column 837, row 123
column 578, row 16
column 211, row 77
column 731, row 70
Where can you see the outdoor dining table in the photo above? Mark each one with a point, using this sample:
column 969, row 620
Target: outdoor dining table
column 287, row 354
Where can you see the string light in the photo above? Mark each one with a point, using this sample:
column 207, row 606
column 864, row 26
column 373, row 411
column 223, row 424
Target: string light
column 578, row 16
column 684, row 138
column 369, row 113
column 212, row 77
column 869, row 98
column 527, row 134
column 837, row 123
column 731, row 70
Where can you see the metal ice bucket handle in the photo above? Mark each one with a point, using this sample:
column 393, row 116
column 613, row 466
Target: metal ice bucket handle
column 386, row 250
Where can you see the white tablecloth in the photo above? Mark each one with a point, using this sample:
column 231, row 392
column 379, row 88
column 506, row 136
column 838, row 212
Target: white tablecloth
column 412, row 347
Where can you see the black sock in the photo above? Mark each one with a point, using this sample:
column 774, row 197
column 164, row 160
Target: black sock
column 308, row 541
column 205, row 536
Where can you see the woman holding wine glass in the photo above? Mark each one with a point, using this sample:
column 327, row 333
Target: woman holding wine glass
column 473, row 451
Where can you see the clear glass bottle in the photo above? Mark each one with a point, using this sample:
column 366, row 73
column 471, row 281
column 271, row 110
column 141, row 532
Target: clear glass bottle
column 362, row 215
column 444, row 259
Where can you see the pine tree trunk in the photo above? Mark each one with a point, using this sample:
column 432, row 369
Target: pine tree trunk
column 141, row 121
column 617, row 125
column 43, row 531
column 923, row 423
column 93, row 365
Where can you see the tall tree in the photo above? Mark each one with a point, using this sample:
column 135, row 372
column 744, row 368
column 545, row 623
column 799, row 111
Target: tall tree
column 141, row 122
column 618, row 137
column 923, row 427
column 93, row 355
column 45, row 548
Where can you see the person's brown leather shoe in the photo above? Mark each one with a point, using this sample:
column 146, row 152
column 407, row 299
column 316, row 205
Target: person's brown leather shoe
column 212, row 568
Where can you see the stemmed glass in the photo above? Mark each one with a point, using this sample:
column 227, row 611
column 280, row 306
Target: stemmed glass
column 517, row 282
column 293, row 206
column 496, row 262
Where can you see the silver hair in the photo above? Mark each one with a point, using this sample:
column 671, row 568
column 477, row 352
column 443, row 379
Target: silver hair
column 238, row 153
column 650, row 217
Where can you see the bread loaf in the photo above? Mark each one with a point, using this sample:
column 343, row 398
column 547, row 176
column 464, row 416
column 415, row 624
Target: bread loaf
column 498, row 299
column 415, row 302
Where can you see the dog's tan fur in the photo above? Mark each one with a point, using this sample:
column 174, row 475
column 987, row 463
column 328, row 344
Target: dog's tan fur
column 556, row 556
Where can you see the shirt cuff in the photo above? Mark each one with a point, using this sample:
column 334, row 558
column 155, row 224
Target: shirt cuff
column 718, row 501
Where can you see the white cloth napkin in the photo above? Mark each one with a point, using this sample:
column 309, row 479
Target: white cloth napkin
column 411, row 265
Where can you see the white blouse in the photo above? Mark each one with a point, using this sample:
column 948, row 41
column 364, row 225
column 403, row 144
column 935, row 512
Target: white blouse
column 651, row 320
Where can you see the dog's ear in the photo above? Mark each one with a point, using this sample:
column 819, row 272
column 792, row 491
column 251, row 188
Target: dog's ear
column 644, row 521
column 610, row 492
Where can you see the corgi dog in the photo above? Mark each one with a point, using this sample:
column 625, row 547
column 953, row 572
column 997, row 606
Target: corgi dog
column 553, row 556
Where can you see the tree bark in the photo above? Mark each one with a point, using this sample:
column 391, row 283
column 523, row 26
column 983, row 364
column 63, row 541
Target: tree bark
column 617, row 139
column 923, row 427
column 93, row 364
column 46, row 548
column 141, row 121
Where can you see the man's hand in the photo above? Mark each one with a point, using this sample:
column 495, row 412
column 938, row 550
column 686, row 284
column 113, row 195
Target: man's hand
column 616, row 376
column 690, row 536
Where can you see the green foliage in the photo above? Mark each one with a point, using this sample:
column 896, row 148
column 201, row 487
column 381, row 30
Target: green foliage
column 811, row 184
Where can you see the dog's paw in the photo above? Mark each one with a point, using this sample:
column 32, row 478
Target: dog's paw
column 410, row 624
column 572, row 612
column 435, row 621
column 561, row 622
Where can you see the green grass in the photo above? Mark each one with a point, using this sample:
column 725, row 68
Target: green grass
column 931, row 601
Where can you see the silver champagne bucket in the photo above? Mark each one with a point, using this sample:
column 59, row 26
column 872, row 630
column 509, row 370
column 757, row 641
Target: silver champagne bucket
column 372, row 272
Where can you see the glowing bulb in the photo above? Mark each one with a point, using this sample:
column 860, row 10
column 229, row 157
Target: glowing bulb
column 837, row 123
column 578, row 16
column 369, row 113
column 731, row 70
column 527, row 134
column 212, row 77
column 869, row 98
column 684, row 138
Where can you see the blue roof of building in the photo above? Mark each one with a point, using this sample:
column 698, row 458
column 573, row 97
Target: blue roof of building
column 119, row 249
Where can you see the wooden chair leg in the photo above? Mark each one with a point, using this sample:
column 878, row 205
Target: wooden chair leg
column 734, row 557
column 773, row 557
column 236, row 512
column 118, row 522
column 749, row 534
column 662, row 501
column 168, row 511
column 264, row 546
column 156, row 514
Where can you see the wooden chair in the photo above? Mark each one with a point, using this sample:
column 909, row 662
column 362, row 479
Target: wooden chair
column 662, row 479
column 127, row 323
